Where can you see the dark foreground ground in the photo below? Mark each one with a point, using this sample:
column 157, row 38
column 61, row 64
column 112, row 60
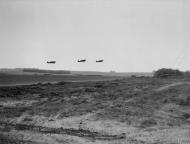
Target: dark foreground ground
column 124, row 111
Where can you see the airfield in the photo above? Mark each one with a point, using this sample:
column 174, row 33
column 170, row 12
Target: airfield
column 12, row 80
column 95, row 110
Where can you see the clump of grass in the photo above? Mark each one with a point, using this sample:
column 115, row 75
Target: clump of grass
column 90, row 89
column 62, row 83
column 27, row 119
column 148, row 123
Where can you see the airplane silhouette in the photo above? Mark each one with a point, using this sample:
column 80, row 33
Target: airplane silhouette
column 83, row 60
column 51, row 62
column 99, row 60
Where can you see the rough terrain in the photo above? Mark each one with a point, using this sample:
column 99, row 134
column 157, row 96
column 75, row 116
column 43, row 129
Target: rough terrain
column 133, row 110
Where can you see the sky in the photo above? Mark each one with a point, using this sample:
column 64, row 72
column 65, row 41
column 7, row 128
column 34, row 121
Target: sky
column 130, row 35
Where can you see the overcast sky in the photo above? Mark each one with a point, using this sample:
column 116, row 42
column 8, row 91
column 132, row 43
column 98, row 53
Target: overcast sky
column 130, row 35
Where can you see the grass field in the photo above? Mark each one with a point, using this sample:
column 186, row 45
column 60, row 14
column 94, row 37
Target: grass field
column 26, row 79
column 121, row 111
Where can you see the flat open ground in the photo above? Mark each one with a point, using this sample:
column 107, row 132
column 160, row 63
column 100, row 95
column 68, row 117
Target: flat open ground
column 124, row 111
column 27, row 79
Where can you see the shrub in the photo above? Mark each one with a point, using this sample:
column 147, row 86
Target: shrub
column 165, row 73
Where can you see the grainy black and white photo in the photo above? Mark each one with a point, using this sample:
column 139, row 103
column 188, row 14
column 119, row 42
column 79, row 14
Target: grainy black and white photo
column 94, row 72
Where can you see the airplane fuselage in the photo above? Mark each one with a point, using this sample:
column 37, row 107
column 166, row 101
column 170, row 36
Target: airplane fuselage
column 51, row 62
column 99, row 60
column 81, row 60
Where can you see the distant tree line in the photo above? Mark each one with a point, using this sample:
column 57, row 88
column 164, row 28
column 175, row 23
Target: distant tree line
column 167, row 72
column 47, row 71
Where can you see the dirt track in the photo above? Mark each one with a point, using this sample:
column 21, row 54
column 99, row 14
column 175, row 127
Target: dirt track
column 71, row 131
column 172, row 85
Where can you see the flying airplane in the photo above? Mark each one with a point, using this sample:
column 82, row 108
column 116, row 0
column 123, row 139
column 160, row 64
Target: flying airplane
column 99, row 60
column 51, row 62
column 83, row 60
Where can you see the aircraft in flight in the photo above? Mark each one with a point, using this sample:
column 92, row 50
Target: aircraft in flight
column 83, row 60
column 51, row 62
column 99, row 60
